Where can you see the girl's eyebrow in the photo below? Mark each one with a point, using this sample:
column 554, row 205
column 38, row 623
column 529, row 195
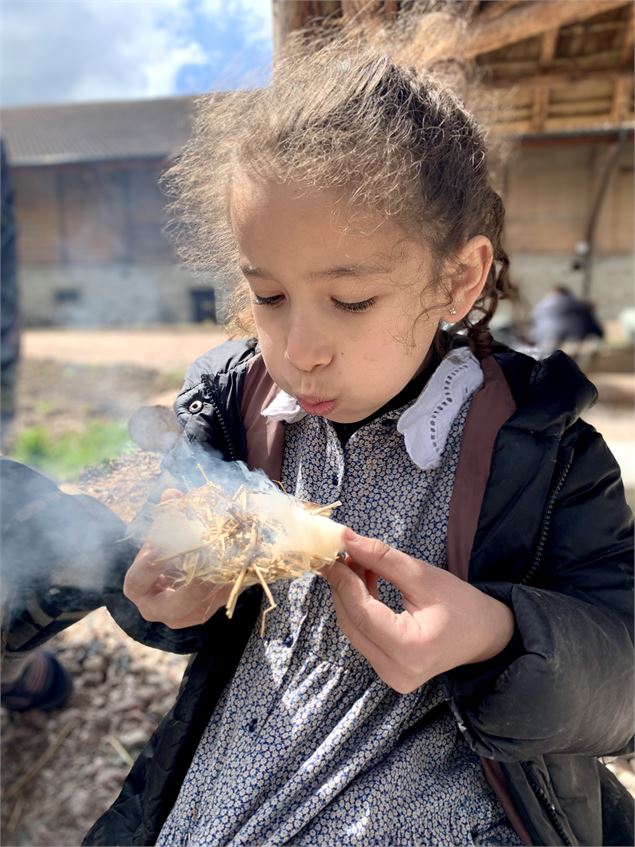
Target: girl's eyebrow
column 350, row 271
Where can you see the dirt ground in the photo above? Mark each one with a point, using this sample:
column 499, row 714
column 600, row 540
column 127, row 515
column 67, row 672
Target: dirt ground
column 60, row 771
column 167, row 349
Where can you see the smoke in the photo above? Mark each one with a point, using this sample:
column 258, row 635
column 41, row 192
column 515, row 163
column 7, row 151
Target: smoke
column 60, row 546
column 61, row 552
column 238, row 519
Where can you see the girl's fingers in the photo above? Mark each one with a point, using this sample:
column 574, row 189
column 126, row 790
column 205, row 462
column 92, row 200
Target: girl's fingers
column 188, row 605
column 378, row 658
column 171, row 494
column 370, row 579
column 372, row 618
column 388, row 667
column 372, row 583
column 142, row 573
column 401, row 570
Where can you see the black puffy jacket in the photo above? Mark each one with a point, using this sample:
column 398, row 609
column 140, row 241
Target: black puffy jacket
column 554, row 542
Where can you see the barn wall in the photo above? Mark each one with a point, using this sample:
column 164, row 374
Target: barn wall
column 93, row 212
column 108, row 295
column 94, row 233
column 548, row 192
column 92, row 251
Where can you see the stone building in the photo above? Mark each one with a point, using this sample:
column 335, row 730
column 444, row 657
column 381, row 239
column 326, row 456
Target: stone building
column 90, row 214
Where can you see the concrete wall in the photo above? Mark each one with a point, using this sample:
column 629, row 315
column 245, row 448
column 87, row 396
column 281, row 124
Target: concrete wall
column 97, row 230
column 549, row 192
column 108, row 295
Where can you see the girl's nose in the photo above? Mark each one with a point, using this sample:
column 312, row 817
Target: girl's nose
column 307, row 348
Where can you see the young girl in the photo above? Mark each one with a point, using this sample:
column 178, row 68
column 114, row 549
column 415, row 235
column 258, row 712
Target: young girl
column 454, row 681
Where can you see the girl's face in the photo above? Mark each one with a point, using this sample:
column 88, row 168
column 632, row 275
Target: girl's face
column 345, row 316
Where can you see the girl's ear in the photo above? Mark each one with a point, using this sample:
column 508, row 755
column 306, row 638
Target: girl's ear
column 474, row 260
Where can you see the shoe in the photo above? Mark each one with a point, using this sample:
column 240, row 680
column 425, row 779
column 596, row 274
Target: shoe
column 44, row 684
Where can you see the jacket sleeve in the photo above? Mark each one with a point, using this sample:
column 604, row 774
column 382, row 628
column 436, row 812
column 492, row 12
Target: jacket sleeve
column 565, row 683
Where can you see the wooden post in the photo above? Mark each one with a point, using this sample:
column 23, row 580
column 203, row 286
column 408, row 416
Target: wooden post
column 288, row 15
column 606, row 171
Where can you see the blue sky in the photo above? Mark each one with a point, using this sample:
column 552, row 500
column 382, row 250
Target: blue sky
column 56, row 51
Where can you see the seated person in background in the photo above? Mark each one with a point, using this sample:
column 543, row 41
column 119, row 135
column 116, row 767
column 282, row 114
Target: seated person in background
column 563, row 321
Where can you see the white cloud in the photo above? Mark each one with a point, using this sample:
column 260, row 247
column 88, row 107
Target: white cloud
column 259, row 9
column 61, row 50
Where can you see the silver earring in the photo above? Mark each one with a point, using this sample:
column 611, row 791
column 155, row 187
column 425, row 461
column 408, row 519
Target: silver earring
column 453, row 310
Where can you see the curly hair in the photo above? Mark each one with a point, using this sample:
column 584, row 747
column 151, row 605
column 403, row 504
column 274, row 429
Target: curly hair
column 388, row 137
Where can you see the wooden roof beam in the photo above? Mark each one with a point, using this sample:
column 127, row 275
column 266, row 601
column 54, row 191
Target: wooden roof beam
column 548, row 45
column 495, row 8
column 287, row 17
column 583, row 123
column 561, row 77
column 519, row 23
column 629, row 38
column 540, row 108
column 620, row 105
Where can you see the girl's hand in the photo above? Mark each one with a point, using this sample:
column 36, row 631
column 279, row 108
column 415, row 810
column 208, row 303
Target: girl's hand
column 150, row 586
column 446, row 622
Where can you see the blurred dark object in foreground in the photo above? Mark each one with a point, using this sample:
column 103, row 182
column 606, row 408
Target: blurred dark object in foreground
column 9, row 303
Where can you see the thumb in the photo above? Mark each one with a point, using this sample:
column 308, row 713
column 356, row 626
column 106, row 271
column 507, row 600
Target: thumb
column 385, row 561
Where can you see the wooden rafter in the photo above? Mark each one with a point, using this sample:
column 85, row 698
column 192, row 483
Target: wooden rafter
column 523, row 21
column 560, row 77
column 495, row 8
column 627, row 43
column 548, row 46
column 619, row 106
column 287, row 17
column 542, row 91
column 540, row 108
column 570, row 123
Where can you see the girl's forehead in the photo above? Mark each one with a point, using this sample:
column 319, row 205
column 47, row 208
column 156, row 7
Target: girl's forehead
column 249, row 195
column 262, row 205
column 290, row 231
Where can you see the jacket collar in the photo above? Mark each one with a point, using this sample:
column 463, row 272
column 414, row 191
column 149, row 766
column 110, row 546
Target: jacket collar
column 424, row 424
column 550, row 395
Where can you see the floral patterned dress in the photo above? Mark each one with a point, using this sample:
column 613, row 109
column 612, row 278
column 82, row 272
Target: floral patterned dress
column 307, row 746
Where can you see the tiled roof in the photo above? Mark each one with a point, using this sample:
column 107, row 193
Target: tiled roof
column 80, row 132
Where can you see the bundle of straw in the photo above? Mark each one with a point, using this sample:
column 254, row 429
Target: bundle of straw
column 244, row 538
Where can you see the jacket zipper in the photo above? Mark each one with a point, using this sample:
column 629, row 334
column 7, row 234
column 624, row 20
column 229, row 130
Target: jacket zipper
column 545, row 523
column 548, row 805
column 540, row 793
column 207, row 382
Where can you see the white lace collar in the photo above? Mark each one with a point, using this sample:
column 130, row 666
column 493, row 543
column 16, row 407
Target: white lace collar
column 426, row 424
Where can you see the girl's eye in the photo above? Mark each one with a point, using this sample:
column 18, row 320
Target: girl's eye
column 356, row 307
column 267, row 301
